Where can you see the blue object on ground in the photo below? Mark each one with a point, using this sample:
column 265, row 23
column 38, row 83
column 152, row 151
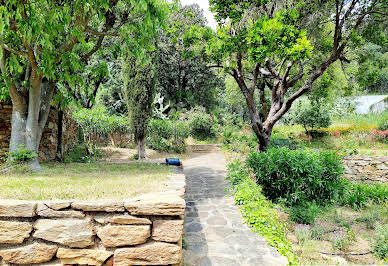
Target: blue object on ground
column 172, row 161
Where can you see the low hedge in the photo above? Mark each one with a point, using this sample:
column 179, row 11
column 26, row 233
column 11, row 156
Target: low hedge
column 258, row 212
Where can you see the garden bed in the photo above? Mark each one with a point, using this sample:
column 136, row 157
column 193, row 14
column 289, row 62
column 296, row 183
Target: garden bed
column 339, row 235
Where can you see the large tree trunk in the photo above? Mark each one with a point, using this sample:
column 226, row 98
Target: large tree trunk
column 29, row 116
column 141, row 148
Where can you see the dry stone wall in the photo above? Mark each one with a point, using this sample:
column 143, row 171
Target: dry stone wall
column 146, row 230
column 366, row 168
column 49, row 142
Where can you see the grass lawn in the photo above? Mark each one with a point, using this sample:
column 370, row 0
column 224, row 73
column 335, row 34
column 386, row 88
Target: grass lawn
column 83, row 181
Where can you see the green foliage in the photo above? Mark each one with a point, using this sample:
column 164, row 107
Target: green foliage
column 304, row 213
column 21, row 154
column 81, row 153
column 201, row 125
column 184, row 77
column 140, row 81
column 303, row 233
column 258, row 212
column 342, row 239
column 298, row 176
column 383, row 125
column 313, row 117
column 358, row 195
column 169, row 136
column 98, row 121
column 380, row 247
column 278, row 37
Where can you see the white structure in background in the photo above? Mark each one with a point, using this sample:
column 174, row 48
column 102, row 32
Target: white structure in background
column 371, row 103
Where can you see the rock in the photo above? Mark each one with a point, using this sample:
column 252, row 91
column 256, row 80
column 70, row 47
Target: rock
column 123, row 235
column 104, row 206
column 45, row 211
column 156, row 204
column 34, row 253
column 151, row 253
column 121, row 219
column 83, row 256
column 17, row 208
column 58, row 204
column 167, row 230
column 14, row 232
column 70, row 232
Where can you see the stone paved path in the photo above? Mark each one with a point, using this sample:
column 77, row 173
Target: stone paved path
column 214, row 231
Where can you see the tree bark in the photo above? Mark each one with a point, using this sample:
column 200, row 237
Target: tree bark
column 141, row 148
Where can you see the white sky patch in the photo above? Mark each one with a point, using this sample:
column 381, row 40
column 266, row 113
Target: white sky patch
column 204, row 4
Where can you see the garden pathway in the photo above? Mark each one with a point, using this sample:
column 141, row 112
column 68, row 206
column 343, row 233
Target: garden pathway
column 214, row 231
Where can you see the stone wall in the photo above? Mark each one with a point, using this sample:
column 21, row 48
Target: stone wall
column 49, row 142
column 366, row 168
column 146, row 230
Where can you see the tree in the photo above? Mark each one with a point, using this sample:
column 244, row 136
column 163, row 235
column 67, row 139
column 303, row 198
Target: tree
column 46, row 42
column 184, row 80
column 284, row 47
column 139, row 82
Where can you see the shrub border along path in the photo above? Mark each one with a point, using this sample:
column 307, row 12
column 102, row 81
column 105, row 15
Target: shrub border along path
column 214, row 230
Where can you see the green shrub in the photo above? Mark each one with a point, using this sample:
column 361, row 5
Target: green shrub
column 22, row 154
column 380, row 247
column 164, row 135
column 298, row 176
column 358, row 195
column 81, row 153
column 313, row 117
column 342, row 239
column 383, row 125
column 258, row 212
column 236, row 172
column 263, row 218
column 201, row 125
column 304, row 213
column 303, row 233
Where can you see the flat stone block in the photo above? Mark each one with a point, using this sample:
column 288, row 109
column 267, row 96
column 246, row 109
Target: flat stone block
column 83, row 256
column 17, row 208
column 152, row 253
column 105, row 206
column 167, row 230
column 123, row 235
column 156, row 204
column 14, row 232
column 69, row 232
column 34, row 253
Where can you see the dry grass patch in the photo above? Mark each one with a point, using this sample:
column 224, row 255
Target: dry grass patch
column 83, row 181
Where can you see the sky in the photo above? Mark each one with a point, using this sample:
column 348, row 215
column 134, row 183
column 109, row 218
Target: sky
column 204, row 4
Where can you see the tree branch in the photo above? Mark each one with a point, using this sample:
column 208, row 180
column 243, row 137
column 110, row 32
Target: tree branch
column 9, row 49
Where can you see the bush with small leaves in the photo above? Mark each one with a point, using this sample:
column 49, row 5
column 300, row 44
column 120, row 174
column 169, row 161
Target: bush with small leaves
column 298, row 176
column 21, row 154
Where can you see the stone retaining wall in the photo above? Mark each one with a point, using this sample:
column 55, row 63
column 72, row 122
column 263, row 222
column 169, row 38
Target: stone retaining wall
column 366, row 168
column 146, row 230
column 49, row 143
